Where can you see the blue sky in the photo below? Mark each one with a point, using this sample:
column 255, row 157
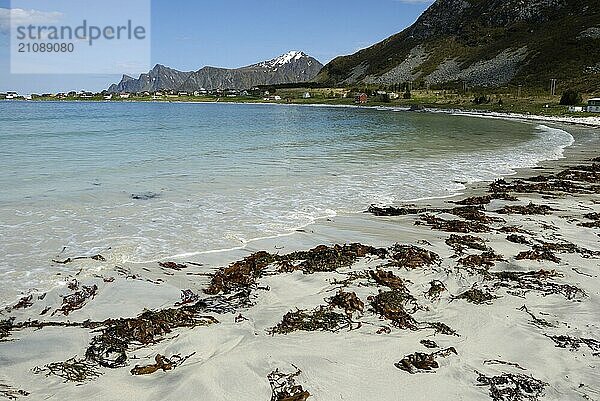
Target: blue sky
column 190, row 34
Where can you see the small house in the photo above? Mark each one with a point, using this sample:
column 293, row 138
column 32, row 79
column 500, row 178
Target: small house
column 576, row 109
column 306, row 95
column 361, row 98
column 107, row 97
column 124, row 95
column 593, row 105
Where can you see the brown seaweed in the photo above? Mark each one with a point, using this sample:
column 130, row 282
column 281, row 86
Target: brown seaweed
column 77, row 300
column 394, row 211
column 512, row 387
column 540, row 281
column 11, row 393
column 530, row 209
column 574, row 343
column 161, row 363
column 348, row 301
column 420, row 362
column 484, row 260
column 476, row 296
column 486, row 199
column 391, row 306
column 456, row 226
column 461, row 242
column 319, row 319
column 388, row 279
column 71, row 370
column 109, row 348
column 412, row 257
column 172, row 265
column 284, row 387
column 436, row 288
column 99, row 258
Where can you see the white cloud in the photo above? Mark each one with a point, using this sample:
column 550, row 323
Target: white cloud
column 19, row 16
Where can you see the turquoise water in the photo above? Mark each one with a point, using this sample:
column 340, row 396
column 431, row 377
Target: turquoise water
column 220, row 175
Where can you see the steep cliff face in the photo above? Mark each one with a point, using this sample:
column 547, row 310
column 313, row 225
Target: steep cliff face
column 160, row 77
column 292, row 67
column 484, row 43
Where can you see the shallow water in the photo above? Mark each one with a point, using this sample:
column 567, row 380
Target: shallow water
column 219, row 175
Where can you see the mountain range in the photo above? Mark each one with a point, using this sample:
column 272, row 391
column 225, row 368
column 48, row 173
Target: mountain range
column 486, row 43
column 292, row 67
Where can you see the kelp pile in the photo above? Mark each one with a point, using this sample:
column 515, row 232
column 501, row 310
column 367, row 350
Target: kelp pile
column 348, row 301
column 512, row 387
column 245, row 273
column 6, row 326
column 486, row 199
column 472, row 213
column 595, row 223
column 412, row 257
column 71, row 370
column 476, row 296
column 78, row 299
column 540, row 281
column 462, row 242
column 484, row 260
column 320, row 319
column 530, row 209
column 394, row 211
column 11, row 393
column 388, row 279
column 455, row 226
column 436, row 288
column 109, row 348
column 161, row 363
column 574, row 343
column 420, row 362
column 284, row 387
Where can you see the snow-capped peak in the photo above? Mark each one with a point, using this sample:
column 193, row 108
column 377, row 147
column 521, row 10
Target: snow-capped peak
column 286, row 58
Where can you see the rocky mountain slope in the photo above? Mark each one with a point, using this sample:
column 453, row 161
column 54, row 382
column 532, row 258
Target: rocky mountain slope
column 291, row 67
column 485, row 43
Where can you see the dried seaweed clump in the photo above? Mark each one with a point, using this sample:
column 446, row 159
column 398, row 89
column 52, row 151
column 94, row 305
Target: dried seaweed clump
column 518, row 239
column 420, row 362
column 546, row 187
column 319, row 319
column 161, row 363
column 461, row 242
column 530, row 209
column 109, row 348
column 540, row 281
column 77, row 300
column 436, row 288
column 5, row 328
column 11, row 393
column 240, row 275
column 71, row 370
column 393, row 211
column 486, row 199
column 455, row 226
column 575, row 343
column 513, row 387
column 326, row 259
column 484, row 260
column 412, row 257
column 348, row 301
column 472, row 213
column 595, row 223
column 391, row 305
column 476, row 296
column 284, row 387
column 172, row 265
column 388, row 279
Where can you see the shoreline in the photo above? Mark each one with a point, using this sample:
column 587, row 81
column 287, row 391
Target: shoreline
column 588, row 121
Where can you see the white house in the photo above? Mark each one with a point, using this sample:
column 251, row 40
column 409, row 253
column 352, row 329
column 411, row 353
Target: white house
column 306, row 95
column 594, row 105
column 576, row 109
column 124, row 95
